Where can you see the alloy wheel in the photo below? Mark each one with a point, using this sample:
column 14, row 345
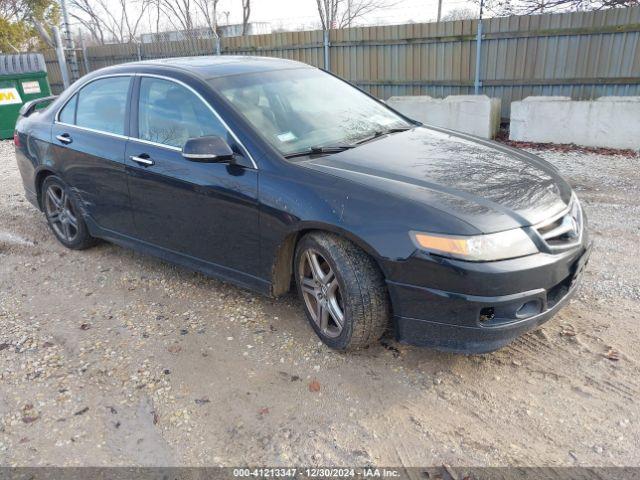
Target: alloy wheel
column 321, row 293
column 60, row 213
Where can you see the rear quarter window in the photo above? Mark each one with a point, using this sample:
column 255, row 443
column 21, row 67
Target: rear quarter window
column 68, row 112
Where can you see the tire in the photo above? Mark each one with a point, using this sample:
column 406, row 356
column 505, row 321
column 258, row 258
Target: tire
column 345, row 277
column 63, row 215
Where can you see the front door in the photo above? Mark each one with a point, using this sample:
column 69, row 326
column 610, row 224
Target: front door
column 203, row 211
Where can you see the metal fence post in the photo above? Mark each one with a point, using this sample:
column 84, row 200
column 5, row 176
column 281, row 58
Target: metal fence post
column 61, row 60
column 139, row 50
column 85, row 58
column 476, row 83
column 216, row 39
column 326, row 45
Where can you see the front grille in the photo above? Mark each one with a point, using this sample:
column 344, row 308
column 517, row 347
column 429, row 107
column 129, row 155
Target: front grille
column 564, row 231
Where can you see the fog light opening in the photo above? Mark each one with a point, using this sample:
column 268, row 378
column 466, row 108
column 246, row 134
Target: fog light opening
column 487, row 313
column 529, row 309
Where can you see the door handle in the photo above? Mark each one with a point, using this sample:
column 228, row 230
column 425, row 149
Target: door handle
column 64, row 138
column 143, row 160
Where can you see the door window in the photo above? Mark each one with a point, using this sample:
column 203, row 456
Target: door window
column 170, row 114
column 102, row 105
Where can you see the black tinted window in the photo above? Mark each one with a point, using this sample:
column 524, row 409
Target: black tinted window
column 170, row 114
column 102, row 105
column 68, row 113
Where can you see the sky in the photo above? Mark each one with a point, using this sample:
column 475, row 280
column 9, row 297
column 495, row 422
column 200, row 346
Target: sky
column 296, row 13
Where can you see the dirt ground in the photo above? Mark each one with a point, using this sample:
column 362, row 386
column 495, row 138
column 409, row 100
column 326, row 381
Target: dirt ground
column 108, row 357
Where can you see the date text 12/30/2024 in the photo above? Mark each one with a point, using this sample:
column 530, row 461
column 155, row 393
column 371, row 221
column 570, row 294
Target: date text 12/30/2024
column 317, row 472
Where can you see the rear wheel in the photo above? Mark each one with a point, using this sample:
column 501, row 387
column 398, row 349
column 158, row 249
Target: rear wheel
column 63, row 215
column 343, row 291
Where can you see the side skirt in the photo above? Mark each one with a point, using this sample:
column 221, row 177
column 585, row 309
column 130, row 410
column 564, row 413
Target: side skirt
column 214, row 270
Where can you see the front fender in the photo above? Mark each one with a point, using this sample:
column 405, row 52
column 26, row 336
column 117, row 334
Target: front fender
column 301, row 199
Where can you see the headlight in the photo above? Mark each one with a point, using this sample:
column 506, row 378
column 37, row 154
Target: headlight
column 478, row 248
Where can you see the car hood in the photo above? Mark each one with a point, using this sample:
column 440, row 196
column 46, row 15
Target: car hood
column 487, row 185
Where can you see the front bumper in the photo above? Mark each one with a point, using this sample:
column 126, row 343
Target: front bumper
column 467, row 323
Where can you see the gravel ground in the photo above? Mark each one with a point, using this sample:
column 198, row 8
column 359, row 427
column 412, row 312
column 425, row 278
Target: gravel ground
column 113, row 358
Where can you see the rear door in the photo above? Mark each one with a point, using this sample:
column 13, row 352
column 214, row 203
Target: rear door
column 89, row 139
column 207, row 211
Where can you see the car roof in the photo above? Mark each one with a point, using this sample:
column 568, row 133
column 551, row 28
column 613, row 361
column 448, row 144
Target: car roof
column 213, row 66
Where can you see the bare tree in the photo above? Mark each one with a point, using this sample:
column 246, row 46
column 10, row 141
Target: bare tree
column 328, row 11
column 108, row 20
column 528, row 7
column 342, row 13
column 209, row 11
column 246, row 13
column 180, row 13
column 461, row 13
column 89, row 17
column 121, row 20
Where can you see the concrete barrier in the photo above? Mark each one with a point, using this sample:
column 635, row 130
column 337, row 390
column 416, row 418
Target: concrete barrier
column 475, row 114
column 612, row 122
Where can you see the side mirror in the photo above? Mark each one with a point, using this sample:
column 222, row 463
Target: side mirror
column 207, row 149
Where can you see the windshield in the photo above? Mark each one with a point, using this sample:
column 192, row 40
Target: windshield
column 300, row 109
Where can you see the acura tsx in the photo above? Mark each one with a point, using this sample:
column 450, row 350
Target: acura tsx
column 270, row 173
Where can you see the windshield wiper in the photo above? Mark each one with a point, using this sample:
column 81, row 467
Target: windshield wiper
column 341, row 148
column 382, row 133
column 319, row 151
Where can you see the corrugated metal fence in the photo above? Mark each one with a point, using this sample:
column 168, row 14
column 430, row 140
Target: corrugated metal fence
column 582, row 55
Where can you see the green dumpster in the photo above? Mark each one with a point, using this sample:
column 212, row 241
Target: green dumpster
column 23, row 77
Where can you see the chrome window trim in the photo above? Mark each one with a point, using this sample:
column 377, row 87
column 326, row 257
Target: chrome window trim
column 155, row 144
column 92, row 130
column 56, row 118
column 220, row 119
column 57, row 121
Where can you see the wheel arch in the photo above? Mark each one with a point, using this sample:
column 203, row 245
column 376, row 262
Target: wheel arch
column 282, row 268
column 40, row 176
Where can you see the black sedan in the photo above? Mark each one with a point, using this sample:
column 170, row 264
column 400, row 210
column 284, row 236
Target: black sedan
column 268, row 173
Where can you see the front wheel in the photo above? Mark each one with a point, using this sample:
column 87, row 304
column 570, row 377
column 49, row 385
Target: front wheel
column 343, row 291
